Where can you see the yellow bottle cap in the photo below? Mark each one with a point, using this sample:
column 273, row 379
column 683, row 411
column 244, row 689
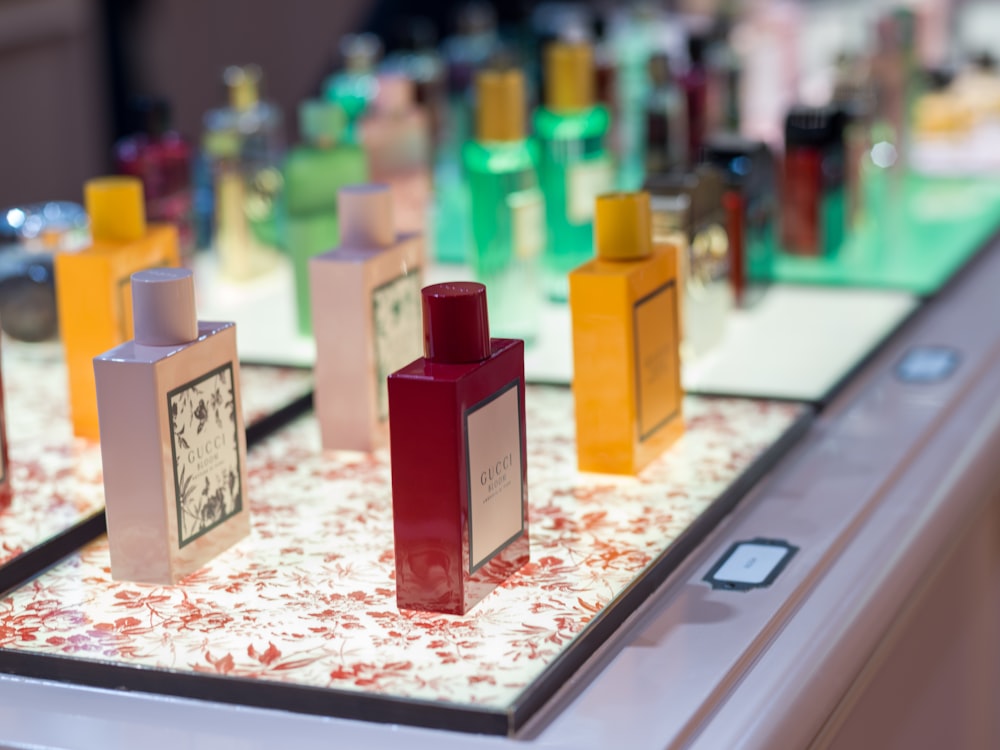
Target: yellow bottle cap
column 242, row 82
column 115, row 207
column 500, row 105
column 623, row 226
column 569, row 76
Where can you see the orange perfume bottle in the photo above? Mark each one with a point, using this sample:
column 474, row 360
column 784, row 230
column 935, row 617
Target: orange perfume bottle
column 366, row 318
column 93, row 293
column 626, row 364
column 173, row 444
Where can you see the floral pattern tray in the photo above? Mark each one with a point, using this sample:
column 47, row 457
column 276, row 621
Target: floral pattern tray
column 301, row 616
column 56, row 478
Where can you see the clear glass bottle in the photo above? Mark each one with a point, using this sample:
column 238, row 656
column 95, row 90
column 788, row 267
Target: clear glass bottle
column 508, row 234
column 314, row 172
column 574, row 165
column 244, row 144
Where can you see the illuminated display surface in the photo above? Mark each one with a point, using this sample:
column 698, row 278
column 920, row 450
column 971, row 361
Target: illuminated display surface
column 939, row 225
column 308, row 600
column 56, row 478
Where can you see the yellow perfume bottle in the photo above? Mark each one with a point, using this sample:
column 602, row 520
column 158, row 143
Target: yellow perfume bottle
column 93, row 290
column 626, row 364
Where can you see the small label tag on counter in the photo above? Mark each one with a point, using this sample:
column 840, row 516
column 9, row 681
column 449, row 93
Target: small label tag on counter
column 750, row 565
column 927, row 364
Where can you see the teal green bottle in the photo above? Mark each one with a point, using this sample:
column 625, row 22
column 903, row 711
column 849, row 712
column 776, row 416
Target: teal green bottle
column 574, row 164
column 354, row 87
column 314, row 172
column 508, row 214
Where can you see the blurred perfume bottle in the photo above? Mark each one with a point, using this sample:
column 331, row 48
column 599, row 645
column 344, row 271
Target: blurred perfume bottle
column 395, row 133
column 508, row 211
column 366, row 308
column 694, row 83
column 162, row 158
column 724, row 72
column 812, row 193
column 688, row 213
column 173, row 445
column 574, row 165
column 472, row 46
column 626, row 363
column 416, row 56
column 459, row 457
column 854, row 96
column 314, row 172
column 353, row 87
column 666, row 119
column 894, row 72
column 93, row 292
column 30, row 236
column 245, row 145
column 750, row 202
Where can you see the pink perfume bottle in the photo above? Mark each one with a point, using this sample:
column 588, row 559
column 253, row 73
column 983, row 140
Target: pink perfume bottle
column 172, row 439
column 396, row 137
column 459, row 457
column 366, row 318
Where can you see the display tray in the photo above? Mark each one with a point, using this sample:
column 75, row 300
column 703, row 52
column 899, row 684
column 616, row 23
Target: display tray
column 914, row 238
column 58, row 500
column 301, row 616
column 797, row 343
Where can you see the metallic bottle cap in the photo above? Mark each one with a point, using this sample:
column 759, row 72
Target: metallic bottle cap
column 116, row 209
column 569, row 76
column 500, row 105
column 365, row 213
column 456, row 326
column 623, row 226
column 163, row 308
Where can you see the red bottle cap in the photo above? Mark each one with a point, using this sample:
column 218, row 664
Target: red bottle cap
column 456, row 328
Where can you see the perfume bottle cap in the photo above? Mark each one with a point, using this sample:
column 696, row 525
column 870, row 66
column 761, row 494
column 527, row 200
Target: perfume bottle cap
column 243, row 84
column 500, row 106
column 456, row 325
column 623, row 226
column 163, row 309
column 321, row 121
column 395, row 93
column 569, row 76
column 116, row 209
column 365, row 213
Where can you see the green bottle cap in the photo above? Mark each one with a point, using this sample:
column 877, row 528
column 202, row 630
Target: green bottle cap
column 321, row 121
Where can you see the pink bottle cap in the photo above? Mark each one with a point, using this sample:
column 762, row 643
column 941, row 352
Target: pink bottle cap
column 163, row 309
column 365, row 213
column 456, row 326
column 395, row 93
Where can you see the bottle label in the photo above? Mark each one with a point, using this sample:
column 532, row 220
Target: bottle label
column 585, row 180
column 497, row 486
column 206, row 455
column 527, row 220
column 657, row 367
column 397, row 324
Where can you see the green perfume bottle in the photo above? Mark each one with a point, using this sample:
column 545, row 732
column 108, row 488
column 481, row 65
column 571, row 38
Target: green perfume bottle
column 508, row 213
column 355, row 85
column 314, row 172
column 574, row 165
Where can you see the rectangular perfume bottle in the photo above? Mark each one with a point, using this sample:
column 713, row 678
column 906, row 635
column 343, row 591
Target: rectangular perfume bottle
column 574, row 164
column 507, row 208
column 688, row 213
column 626, row 363
column 366, row 318
column 173, row 444
column 459, row 457
column 314, row 172
column 93, row 292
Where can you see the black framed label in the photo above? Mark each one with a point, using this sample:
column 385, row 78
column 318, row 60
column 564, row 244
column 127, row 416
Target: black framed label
column 752, row 564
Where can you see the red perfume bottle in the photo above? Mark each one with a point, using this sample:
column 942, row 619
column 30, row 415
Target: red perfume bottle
column 459, row 462
column 162, row 159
